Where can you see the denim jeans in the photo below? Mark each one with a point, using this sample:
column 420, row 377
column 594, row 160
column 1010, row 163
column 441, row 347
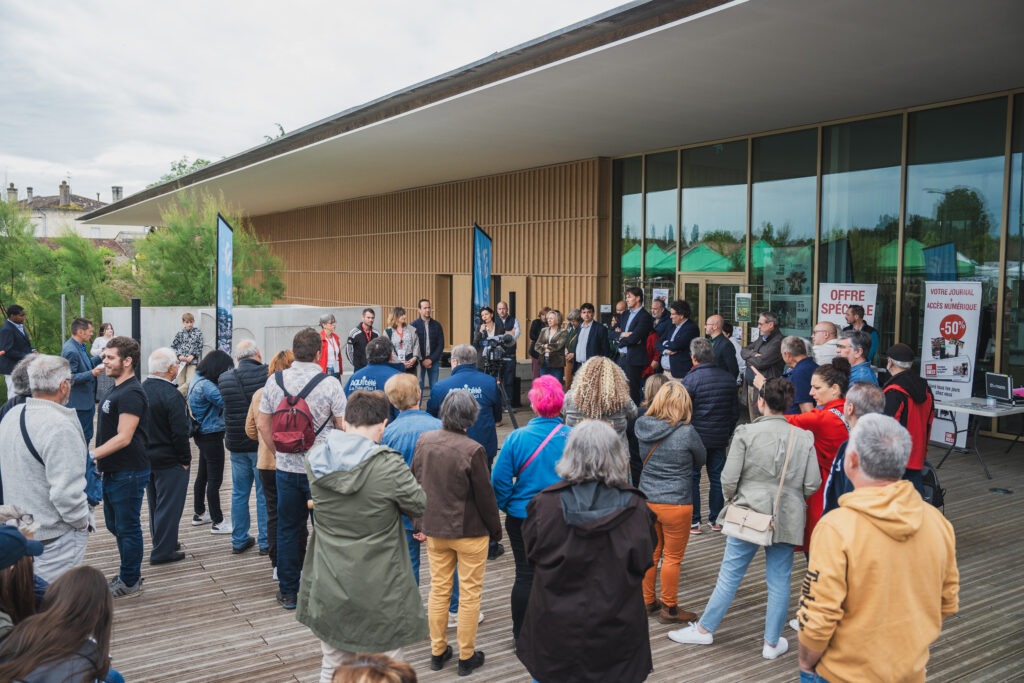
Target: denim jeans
column 430, row 374
column 85, row 418
column 122, row 506
column 715, row 464
column 292, row 531
column 414, row 555
column 557, row 373
column 778, row 560
column 243, row 474
column 811, row 678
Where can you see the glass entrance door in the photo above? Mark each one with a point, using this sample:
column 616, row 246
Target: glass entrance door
column 711, row 293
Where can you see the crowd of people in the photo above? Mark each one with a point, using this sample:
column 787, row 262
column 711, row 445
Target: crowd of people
column 600, row 490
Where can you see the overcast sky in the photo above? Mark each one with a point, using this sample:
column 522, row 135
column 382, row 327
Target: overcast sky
column 111, row 92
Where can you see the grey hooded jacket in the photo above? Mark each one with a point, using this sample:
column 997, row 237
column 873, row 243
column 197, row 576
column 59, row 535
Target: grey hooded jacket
column 667, row 476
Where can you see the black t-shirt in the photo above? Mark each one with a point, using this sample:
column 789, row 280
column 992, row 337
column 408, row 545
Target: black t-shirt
column 127, row 397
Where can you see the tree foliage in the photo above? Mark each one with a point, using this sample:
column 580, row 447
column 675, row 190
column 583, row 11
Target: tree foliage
column 179, row 168
column 177, row 262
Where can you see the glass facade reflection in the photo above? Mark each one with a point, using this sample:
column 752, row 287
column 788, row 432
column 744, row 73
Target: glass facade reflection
column 1012, row 342
column 661, row 219
column 783, row 227
column 713, row 238
column 627, row 220
column 860, row 207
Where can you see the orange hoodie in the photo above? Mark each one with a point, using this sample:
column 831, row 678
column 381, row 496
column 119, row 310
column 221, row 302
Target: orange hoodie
column 881, row 577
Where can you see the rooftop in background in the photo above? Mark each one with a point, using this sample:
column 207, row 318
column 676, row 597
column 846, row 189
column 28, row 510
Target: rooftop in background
column 644, row 76
column 54, row 215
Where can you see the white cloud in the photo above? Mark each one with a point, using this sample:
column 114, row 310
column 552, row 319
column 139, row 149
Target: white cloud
column 114, row 91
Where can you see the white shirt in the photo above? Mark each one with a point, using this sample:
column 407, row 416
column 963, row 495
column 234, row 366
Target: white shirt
column 581, row 342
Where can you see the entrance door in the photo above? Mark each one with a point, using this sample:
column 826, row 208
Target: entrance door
column 710, row 293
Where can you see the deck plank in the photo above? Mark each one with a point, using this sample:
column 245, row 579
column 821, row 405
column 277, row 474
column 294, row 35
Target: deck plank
column 213, row 617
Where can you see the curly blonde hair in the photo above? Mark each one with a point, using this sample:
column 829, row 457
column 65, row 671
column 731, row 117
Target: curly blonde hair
column 600, row 388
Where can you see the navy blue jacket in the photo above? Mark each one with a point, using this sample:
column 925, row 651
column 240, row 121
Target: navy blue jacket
column 636, row 343
column 715, row 403
column 83, row 384
column 837, row 483
column 597, row 341
column 725, row 355
column 372, row 377
column 436, row 339
column 663, row 325
column 680, row 362
column 485, row 391
column 237, row 387
column 15, row 344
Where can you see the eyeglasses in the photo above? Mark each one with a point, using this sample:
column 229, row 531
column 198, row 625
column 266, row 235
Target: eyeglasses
column 24, row 518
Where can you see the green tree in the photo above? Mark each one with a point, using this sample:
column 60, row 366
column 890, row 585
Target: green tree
column 179, row 168
column 177, row 262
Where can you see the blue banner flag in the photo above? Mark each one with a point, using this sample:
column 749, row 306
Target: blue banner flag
column 225, row 293
column 482, row 264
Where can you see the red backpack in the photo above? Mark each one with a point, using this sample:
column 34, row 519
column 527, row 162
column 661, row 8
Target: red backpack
column 292, row 424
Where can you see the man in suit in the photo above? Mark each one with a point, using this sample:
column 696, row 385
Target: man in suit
column 84, row 371
column 591, row 339
column 724, row 351
column 14, row 343
column 674, row 344
column 634, row 326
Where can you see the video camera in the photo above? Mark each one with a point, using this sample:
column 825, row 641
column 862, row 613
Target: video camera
column 495, row 349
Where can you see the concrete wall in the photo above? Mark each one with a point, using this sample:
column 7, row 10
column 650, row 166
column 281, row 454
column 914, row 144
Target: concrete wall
column 272, row 327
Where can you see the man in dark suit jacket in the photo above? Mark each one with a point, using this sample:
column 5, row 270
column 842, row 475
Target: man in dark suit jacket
column 84, row 370
column 724, row 351
column 675, row 343
column 632, row 331
column 594, row 336
column 14, row 343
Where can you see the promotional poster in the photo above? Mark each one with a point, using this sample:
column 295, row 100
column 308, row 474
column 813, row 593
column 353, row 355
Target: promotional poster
column 952, row 313
column 835, row 298
column 482, row 266
column 225, row 294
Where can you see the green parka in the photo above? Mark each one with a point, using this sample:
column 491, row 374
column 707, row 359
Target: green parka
column 358, row 593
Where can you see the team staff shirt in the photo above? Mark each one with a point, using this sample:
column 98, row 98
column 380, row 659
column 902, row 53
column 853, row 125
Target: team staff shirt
column 128, row 398
column 325, row 402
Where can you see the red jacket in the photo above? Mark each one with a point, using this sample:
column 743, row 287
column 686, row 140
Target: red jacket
column 830, row 432
column 323, row 351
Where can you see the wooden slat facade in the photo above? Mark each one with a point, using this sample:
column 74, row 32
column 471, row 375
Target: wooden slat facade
column 550, row 225
column 213, row 617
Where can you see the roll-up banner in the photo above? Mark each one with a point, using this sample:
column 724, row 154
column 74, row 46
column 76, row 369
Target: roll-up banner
column 225, row 296
column 482, row 265
column 952, row 313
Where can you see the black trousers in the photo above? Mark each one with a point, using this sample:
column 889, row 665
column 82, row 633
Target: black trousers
column 634, row 373
column 269, row 480
column 209, row 475
column 524, row 573
column 165, row 495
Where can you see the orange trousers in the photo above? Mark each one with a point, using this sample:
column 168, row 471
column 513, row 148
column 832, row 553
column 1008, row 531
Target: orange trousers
column 673, row 529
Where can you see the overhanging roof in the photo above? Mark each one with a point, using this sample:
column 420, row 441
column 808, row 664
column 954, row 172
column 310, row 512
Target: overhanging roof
column 645, row 76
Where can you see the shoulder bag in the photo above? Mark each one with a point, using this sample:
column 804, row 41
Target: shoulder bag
column 539, row 449
column 756, row 527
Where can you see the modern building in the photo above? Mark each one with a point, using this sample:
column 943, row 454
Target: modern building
column 701, row 146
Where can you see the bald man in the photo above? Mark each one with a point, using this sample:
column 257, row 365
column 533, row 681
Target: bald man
column 725, row 352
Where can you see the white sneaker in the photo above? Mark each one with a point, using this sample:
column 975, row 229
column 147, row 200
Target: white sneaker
column 453, row 619
column 199, row 520
column 275, row 573
column 691, row 636
column 769, row 652
column 794, row 624
column 223, row 528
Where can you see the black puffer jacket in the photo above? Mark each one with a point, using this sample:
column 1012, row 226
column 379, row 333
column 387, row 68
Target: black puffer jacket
column 715, row 403
column 236, row 388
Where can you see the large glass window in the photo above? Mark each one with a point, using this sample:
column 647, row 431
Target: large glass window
column 954, row 202
column 860, row 207
column 1012, row 346
column 783, row 226
column 713, row 238
column 661, row 219
column 627, row 221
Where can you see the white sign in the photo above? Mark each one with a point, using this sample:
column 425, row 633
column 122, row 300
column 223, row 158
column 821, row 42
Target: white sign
column 660, row 293
column 834, row 299
column 952, row 312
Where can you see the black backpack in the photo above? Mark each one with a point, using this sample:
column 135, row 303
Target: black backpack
column 933, row 492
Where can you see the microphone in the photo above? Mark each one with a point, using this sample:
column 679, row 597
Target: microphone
column 507, row 340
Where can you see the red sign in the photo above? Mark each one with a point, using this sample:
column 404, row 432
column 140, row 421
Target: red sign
column 952, row 327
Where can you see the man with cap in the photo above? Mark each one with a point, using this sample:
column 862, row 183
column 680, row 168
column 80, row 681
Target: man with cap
column 909, row 399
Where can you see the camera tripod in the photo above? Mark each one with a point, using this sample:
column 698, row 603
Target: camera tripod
column 494, row 369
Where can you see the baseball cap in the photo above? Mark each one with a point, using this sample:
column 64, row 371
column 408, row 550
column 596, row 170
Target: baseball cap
column 14, row 546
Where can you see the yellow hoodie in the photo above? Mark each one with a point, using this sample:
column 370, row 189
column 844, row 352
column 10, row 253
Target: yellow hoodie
column 881, row 577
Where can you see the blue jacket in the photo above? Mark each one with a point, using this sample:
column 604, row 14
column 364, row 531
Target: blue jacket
column 715, row 403
column 725, row 355
column 862, row 372
column 402, row 435
column 436, row 339
column 485, row 390
column 372, row 378
column 679, row 362
column 514, row 489
column 837, row 483
column 83, row 384
column 16, row 344
column 206, row 404
column 800, row 375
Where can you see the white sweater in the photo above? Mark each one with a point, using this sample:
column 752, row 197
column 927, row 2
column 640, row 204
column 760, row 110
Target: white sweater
column 54, row 494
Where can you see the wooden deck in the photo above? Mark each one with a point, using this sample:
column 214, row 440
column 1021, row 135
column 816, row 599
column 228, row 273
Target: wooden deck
column 213, row 617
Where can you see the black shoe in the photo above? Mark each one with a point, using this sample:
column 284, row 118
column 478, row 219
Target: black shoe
column 176, row 557
column 248, row 543
column 177, row 546
column 495, row 551
column 264, row 551
column 288, row 601
column 466, row 666
column 437, row 661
